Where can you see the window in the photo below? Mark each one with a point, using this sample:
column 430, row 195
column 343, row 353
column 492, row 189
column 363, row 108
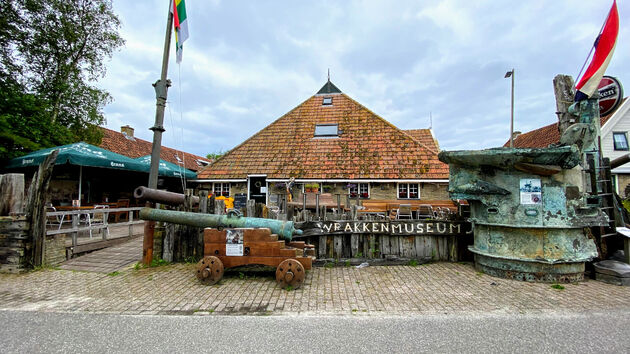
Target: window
column 408, row 191
column 361, row 189
column 327, row 101
column 326, row 130
column 221, row 189
column 620, row 140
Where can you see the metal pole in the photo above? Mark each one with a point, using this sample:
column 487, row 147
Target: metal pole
column 161, row 90
column 512, row 116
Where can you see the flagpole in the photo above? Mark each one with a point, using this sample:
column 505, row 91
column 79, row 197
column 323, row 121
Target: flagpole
column 161, row 91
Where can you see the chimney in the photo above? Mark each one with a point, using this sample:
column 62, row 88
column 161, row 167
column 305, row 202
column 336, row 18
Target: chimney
column 515, row 135
column 127, row 130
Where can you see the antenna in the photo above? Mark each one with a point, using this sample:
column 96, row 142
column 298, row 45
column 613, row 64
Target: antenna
column 329, row 74
column 430, row 120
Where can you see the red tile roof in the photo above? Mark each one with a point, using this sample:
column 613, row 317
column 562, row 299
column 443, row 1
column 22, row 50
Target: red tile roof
column 543, row 137
column 424, row 137
column 136, row 147
column 368, row 147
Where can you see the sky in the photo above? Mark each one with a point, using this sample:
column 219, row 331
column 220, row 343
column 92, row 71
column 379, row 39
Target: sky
column 417, row 64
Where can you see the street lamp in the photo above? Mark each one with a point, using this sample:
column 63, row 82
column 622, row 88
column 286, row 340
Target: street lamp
column 511, row 74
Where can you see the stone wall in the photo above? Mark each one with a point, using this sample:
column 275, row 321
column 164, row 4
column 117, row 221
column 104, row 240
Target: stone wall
column 15, row 244
column 55, row 249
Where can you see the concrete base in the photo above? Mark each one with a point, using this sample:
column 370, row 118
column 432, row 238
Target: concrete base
column 530, row 271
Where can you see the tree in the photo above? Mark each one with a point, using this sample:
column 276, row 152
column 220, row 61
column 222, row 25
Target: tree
column 52, row 50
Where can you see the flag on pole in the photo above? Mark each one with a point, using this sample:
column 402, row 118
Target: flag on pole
column 604, row 47
column 180, row 23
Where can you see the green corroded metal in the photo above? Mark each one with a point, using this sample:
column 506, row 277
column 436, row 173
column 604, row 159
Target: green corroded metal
column 284, row 229
column 542, row 238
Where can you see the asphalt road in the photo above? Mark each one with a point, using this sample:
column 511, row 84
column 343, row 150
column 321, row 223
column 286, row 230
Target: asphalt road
column 34, row 332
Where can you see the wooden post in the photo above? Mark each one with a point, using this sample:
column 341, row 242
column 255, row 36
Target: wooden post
column 219, row 207
column 564, row 90
column 251, row 208
column 12, row 192
column 36, row 214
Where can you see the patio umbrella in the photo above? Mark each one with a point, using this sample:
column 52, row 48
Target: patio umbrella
column 81, row 154
column 168, row 169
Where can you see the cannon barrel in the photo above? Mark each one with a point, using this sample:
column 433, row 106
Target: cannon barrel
column 284, row 229
column 158, row 196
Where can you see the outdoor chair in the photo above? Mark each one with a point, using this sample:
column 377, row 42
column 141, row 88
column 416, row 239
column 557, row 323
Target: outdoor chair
column 124, row 215
column 404, row 212
column 53, row 220
column 425, row 211
column 99, row 218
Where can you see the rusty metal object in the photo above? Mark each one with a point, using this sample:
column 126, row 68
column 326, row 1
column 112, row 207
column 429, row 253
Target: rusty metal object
column 530, row 207
column 284, row 229
column 158, row 196
column 290, row 273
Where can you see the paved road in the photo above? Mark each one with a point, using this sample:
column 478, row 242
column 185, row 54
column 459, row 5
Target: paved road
column 32, row 332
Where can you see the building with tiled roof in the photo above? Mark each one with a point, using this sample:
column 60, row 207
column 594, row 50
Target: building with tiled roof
column 125, row 143
column 614, row 141
column 331, row 142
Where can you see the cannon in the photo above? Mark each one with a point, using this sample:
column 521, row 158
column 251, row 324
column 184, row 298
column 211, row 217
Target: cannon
column 232, row 240
column 284, row 229
column 158, row 196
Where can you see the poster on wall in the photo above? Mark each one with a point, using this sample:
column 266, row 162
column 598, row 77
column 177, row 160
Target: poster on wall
column 234, row 242
column 531, row 191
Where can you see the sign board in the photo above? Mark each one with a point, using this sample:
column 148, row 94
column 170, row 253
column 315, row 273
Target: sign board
column 531, row 192
column 394, row 227
column 610, row 95
column 233, row 242
column 240, row 201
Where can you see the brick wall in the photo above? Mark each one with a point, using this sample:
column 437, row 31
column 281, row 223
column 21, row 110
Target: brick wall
column 15, row 244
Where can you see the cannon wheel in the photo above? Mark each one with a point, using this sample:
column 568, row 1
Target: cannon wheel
column 209, row 270
column 290, row 273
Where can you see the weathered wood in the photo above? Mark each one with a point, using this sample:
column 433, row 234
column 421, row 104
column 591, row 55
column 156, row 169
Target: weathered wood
column 373, row 249
column 394, row 244
column 321, row 247
column 11, row 194
column 251, row 208
column 338, row 246
column 203, row 201
column 37, row 196
column 169, row 242
column 354, row 244
column 408, row 246
column 563, row 87
column 219, row 207
column 384, row 243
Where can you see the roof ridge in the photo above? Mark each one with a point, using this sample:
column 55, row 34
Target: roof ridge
column 418, row 141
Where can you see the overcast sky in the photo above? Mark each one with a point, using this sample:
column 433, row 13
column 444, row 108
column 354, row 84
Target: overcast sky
column 247, row 63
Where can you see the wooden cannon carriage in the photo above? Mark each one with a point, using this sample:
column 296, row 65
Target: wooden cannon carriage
column 229, row 248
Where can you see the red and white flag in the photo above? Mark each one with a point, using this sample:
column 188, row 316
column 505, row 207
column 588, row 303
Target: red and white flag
column 604, row 47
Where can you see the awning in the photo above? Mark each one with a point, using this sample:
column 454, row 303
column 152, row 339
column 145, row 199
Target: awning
column 167, row 169
column 81, row 154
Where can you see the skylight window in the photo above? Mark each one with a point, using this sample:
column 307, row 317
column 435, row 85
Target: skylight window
column 326, row 130
column 327, row 101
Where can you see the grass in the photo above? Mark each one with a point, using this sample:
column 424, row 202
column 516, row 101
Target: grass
column 360, row 255
column 113, row 274
column 289, row 288
column 479, row 273
column 558, row 286
column 413, row 262
column 154, row 263
column 346, row 263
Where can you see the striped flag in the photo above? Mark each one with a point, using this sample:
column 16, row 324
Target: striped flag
column 180, row 23
column 604, row 47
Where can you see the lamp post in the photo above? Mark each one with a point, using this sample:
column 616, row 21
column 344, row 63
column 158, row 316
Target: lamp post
column 511, row 74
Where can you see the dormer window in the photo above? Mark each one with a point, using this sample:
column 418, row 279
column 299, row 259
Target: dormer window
column 178, row 159
column 326, row 130
column 327, row 101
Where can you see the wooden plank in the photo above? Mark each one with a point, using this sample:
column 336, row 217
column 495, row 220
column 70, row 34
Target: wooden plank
column 408, row 248
column 354, row 244
column 394, row 245
column 321, row 249
column 12, row 192
column 384, row 243
column 338, row 247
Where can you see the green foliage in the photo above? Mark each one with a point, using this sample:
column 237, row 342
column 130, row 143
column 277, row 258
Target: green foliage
column 413, row 262
column 51, row 51
column 346, row 263
column 215, row 155
column 558, row 286
column 113, row 274
column 289, row 288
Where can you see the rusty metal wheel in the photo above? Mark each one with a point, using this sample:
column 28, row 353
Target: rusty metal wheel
column 290, row 273
column 209, row 270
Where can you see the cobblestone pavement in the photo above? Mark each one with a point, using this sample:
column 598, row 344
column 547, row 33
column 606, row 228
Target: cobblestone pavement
column 435, row 288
